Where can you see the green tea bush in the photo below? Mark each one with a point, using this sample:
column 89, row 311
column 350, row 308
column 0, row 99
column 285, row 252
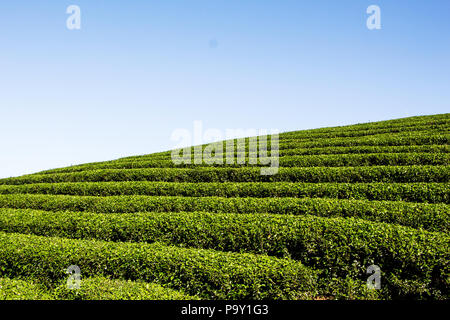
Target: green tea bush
column 337, row 246
column 101, row 288
column 291, row 152
column 376, row 159
column 198, row 272
column 141, row 227
column 412, row 192
column 206, row 174
column 433, row 217
column 16, row 289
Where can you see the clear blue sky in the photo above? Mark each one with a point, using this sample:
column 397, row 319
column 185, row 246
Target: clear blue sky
column 137, row 70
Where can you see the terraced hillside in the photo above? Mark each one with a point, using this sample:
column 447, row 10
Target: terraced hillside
column 142, row 227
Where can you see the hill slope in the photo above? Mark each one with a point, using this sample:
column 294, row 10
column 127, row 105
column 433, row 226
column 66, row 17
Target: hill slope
column 344, row 198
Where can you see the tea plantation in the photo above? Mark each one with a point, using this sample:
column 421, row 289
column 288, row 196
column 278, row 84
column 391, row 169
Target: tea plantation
column 143, row 227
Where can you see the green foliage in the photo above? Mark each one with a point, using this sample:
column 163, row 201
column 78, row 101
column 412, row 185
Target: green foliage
column 199, row 272
column 433, row 217
column 97, row 288
column 343, row 160
column 101, row 288
column 15, row 289
column 413, row 192
column 377, row 140
column 288, row 152
column 141, row 227
column 341, row 247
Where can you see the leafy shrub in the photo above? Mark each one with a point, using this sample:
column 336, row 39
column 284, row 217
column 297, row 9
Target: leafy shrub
column 206, row 273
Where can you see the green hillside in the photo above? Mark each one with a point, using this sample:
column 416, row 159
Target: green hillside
column 142, row 227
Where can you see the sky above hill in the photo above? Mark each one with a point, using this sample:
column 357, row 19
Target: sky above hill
column 138, row 70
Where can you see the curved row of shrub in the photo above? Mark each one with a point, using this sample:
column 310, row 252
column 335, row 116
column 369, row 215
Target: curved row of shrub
column 96, row 288
column 437, row 124
column 345, row 160
column 272, row 234
column 206, row 174
column 430, row 137
column 411, row 192
column 428, row 127
column 433, row 217
column 310, row 231
column 399, row 139
column 205, row 273
column 373, row 133
column 102, row 288
column 386, row 140
column 432, row 148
